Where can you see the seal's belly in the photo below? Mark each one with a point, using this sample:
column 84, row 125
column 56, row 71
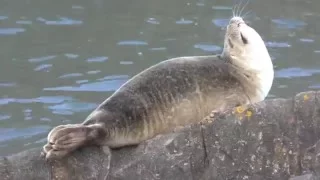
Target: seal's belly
column 165, row 117
column 193, row 109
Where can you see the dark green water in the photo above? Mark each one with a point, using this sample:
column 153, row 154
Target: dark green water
column 60, row 59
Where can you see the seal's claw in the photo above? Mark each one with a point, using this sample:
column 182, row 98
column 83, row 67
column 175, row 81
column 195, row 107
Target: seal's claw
column 53, row 154
column 46, row 148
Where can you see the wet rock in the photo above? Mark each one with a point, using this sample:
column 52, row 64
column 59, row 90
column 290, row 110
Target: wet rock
column 275, row 139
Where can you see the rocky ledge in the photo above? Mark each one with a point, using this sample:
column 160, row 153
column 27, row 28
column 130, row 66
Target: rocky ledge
column 274, row 139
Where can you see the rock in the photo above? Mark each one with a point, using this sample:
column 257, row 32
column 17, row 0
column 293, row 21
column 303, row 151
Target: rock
column 304, row 177
column 274, row 139
column 85, row 164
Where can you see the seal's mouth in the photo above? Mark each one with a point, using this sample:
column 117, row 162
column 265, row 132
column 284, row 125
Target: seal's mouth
column 243, row 38
column 237, row 32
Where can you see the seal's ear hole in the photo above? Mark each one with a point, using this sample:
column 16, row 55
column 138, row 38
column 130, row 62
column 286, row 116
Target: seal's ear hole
column 230, row 43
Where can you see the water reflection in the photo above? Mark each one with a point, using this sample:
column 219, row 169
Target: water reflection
column 296, row 72
column 61, row 21
column 11, row 31
column 102, row 85
column 59, row 60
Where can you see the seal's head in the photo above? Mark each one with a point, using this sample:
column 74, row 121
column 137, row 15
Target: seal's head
column 244, row 48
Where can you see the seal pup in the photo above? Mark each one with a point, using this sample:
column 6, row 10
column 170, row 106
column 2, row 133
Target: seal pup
column 173, row 93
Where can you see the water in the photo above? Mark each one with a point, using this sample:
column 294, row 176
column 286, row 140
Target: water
column 60, row 59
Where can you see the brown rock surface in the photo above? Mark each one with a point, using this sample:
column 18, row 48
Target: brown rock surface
column 274, row 139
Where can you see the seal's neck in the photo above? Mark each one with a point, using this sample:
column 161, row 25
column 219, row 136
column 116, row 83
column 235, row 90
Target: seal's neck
column 259, row 65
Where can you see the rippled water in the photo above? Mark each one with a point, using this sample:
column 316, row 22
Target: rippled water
column 60, row 59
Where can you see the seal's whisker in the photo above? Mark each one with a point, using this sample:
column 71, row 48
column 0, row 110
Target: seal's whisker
column 244, row 6
column 236, row 9
column 247, row 13
column 233, row 11
column 239, row 8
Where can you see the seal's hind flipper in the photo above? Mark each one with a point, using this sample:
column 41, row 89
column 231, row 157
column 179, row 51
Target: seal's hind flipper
column 64, row 139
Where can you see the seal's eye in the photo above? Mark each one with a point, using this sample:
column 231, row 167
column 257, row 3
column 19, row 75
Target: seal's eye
column 244, row 40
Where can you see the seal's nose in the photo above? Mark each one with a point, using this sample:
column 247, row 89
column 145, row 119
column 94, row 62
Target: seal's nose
column 236, row 20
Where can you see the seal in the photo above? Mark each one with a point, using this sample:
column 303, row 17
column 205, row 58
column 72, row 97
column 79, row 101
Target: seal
column 173, row 93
